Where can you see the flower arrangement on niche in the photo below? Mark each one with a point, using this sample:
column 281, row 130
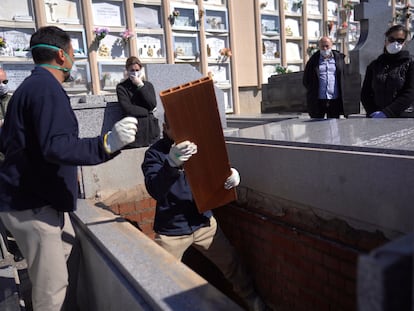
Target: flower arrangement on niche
column 173, row 16
column 126, row 35
column 3, row 42
column 225, row 54
column 100, row 33
column 312, row 48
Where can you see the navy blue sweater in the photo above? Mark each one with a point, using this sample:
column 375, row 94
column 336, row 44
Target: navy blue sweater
column 42, row 149
column 176, row 212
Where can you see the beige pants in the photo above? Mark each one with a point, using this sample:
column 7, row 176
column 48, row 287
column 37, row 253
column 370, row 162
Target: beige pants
column 212, row 242
column 45, row 238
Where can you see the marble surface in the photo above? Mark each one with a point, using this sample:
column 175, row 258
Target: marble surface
column 395, row 136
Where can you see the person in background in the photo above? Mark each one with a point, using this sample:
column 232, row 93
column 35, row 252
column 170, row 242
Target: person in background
column 323, row 79
column 39, row 175
column 178, row 224
column 388, row 87
column 4, row 95
column 137, row 99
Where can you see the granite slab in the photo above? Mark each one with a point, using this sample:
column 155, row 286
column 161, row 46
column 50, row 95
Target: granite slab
column 389, row 136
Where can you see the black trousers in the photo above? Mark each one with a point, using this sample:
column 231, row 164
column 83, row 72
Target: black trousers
column 329, row 107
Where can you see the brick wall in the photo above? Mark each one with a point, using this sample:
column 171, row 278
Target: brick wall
column 140, row 212
column 298, row 261
column 295, row 268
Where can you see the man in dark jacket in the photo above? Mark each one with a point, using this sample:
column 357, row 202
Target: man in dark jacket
column 38, row 178
column 178, row 223
column 323, row 80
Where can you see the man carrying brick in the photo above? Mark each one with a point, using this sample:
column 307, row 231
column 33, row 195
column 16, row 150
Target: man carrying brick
column 178, row 224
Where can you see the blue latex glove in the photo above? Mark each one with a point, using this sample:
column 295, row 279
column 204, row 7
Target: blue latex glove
column 378, row 115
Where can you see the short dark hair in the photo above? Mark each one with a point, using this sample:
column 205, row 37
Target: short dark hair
column 132, row 61
column 50, row 35
column 397, row 28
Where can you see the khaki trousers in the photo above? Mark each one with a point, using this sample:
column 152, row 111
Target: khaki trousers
column 45, row 237
column 212, row 242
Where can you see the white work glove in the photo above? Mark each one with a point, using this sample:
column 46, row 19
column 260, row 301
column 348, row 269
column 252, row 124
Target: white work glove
column 136, row 78
column 233, row 180
column 123, row 133
column 181, row 152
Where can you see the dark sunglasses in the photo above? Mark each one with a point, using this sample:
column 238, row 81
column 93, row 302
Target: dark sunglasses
column 399, row 40
column 5, row 81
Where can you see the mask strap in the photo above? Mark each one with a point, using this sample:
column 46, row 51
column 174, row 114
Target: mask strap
column 41, row 45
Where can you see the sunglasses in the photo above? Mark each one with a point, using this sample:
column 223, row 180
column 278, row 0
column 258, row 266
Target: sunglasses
column 399, row 40
column 5, row 81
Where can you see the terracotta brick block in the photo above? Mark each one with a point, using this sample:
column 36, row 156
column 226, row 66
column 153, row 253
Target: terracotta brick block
column 147, row 214
column 136, row 217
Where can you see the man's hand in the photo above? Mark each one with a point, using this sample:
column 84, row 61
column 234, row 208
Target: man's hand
column 181, row 152
column 233, row 180
column 123, row 133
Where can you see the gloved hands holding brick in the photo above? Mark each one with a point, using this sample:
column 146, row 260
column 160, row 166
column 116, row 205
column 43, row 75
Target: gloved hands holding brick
column 123, row 133
column 181, row 152
column 233, row 180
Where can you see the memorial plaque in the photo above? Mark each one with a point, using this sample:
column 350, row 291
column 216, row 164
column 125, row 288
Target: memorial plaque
column 186, row 19
column 314, row 29
column 214, row 45
column 220, row 73
column 111, row 74
column 64, row 11
column 112, row 46
column 148, row 16
column 185, row 47
column 215, row 20
column 193, row 115
column 108, row 14
column 16, row 73
column 293, row 25
column 292, row 51
column 270, row 49
column 18, row 40
column 81, row 77
column 270, row 25
column 16, row 10
column 151, row 46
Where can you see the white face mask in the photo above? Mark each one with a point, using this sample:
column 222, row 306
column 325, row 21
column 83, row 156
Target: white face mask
column 3, row 89
column 394, row 48
column 135, row 73
column 326, row 53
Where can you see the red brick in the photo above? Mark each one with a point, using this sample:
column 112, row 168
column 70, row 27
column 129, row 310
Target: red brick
column 147, row 214
column 126, row 208
column 114, row 208
column 133, row 217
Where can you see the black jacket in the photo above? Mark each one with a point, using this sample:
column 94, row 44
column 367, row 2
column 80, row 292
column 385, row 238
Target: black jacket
column 389, row 84
column 139, row 103
column 176, row 212
column 42, row 147
column 311, row 79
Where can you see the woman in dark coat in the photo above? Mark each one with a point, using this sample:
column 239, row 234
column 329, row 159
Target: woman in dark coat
column 388, row 88
column 137, row 98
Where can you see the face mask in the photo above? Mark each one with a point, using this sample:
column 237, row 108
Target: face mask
column 135, row 73
column 4, row 88
column 326, row 53
column 65, row 70
column 394, row 48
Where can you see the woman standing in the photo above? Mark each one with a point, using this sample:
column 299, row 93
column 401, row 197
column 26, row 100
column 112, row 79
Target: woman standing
column 137, row 98
column 388, row 87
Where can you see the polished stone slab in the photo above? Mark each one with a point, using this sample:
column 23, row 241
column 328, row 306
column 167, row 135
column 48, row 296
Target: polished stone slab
column 393, row 136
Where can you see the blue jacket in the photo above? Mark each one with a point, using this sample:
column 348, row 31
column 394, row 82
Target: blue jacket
column 176, row 212
column 41, row 146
